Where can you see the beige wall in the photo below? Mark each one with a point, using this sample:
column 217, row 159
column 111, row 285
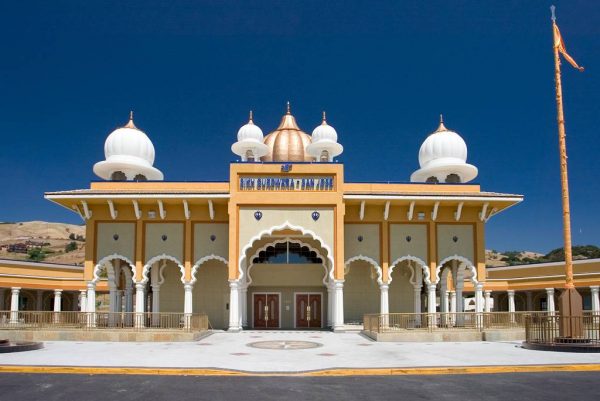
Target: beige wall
column 401, row 292
column 361, row 291
column 463, row 247
column 172, row 246
column 171, row 290
column 369, row 246
column 107, row 245
column 400, row 246
column 249, row 227
column 203, row 245
column 211, row 293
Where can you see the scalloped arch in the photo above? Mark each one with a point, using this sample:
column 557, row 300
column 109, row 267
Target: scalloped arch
column 368, row 260
column 462, row 259
column 109, row 258
column 285, row 226
column 426, row 274
column 146, row 268
column 204, row 259
column 283, row 240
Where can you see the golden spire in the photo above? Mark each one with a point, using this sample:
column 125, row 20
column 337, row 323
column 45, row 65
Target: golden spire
column 130, row 123
column 324, row 122
column 442, row 127
column 289, row 108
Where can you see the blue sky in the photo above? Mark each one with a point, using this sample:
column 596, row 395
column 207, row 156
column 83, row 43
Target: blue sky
column 384, row 70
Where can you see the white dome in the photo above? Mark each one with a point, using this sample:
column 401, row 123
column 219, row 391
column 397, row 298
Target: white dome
column 443, row 153
column 324, row 138
column 250, row 143
column 130, row 151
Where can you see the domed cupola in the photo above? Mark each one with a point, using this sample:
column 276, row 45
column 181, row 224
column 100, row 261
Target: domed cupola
column 129, row 156
column 288, row 142
column 324, row 146
column 250, row 146
column 442, row 158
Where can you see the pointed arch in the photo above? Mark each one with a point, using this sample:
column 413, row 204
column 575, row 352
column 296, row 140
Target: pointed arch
column 469, row 265
column 164, row 256
column 203, row 259
column 370, row 261
column 419, row 261
column 110, row 258
column 285, row 226
column 280, row 241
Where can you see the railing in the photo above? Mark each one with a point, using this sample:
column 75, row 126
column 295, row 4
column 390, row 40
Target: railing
column 40, row 320
column 563, row 330
column 390, row 322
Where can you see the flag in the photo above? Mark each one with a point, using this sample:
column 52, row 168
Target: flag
column 560, row 45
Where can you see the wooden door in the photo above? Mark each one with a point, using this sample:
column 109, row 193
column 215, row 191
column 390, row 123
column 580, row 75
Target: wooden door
column 266, row 311
column 308, row 311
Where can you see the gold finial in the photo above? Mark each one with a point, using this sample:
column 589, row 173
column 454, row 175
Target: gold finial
column 442, row 127
column 250, row 120
column 289, row 108
column 324, row 118
column 130, row 123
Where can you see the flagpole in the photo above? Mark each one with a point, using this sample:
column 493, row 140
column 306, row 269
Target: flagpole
column 562, row 146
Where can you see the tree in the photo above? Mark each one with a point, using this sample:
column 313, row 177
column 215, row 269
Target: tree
column 71, row 246
column 36, row 254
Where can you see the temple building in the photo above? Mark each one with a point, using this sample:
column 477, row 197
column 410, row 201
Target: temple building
column 285, row 243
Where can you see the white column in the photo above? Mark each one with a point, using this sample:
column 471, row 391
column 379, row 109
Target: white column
column 431, row 304
column 119, row 306
column 234, row 313
column 550, row 300
column 90, row 305
column 244, row 303
column 329, row 305
column 338, row 306
column 452, row 302
column 595, row 291
column 479, row 305
column 488, row 301
column 384, row 301
column 156, row 304
column 140, row 301
column 14, row 304
column 187, row 303
column 2, row 305
column 444, row 301
column 417, row 299
column 529, row 301
column 511, row 304
column 83, row 300
column 57, row 305
column 129, row 299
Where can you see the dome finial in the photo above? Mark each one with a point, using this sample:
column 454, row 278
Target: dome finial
column 130, row 123
column 324, row 118
column 289, row 108
column 442, row 127
column 250, row 119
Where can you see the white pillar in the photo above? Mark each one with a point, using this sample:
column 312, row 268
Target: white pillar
column 2, row 304
column 90, row 304
column 187, row 304
column 444, row 301
column 595, row 291
column 511, row 300
column 488, row 301
column 417, row 299
column 129, row 299
column 119, row 304
column 156, row 304
column 452, row 302
column 244, row 305
column 384, row 302
column 338, row 306
column 550, row 300
column 479, row 305
column 329, row 305
column 57, row 305
column 234, row 313
column 83, row 300
column 140, row 301
column 14, row 304
column 431, row 304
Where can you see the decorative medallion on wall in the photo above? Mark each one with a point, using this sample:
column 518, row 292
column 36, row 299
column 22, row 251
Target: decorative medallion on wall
column 360, row 238
column 213, row 237
column 408, row 238
column 164, row 237
column 116, row 237
column 455, row 238
column 258, row 215
column 316, row 215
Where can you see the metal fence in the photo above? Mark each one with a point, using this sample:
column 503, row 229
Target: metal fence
column 391, row 322
column 41, row 320
column 561, row 330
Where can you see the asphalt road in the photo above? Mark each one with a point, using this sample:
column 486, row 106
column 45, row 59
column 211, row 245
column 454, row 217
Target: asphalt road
column 510, row 386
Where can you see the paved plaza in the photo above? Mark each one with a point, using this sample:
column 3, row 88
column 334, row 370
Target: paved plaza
column 286, row 353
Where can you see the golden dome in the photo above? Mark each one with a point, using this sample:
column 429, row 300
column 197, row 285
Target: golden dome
column 288, row 142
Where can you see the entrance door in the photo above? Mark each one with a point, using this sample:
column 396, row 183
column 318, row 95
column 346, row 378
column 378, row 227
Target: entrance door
column 308, row 311
column 266, row 311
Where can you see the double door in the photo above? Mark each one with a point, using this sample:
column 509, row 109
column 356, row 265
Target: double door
column 266, row 311
column 309, row 311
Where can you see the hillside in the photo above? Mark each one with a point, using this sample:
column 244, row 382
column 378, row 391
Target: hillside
column 40, row 240
column 509, row 258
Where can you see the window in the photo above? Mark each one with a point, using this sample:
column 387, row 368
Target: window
column 118, row 176
column 288, row 253
column 140, row 177
column 432, row 180
column 453, row 179
column 324, row 156
column 249, row 156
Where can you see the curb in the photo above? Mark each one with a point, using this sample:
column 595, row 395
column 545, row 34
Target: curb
column 454, row 370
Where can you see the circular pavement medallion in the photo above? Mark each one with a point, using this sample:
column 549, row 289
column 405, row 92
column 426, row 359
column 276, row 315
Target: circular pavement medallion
column 287, row 344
